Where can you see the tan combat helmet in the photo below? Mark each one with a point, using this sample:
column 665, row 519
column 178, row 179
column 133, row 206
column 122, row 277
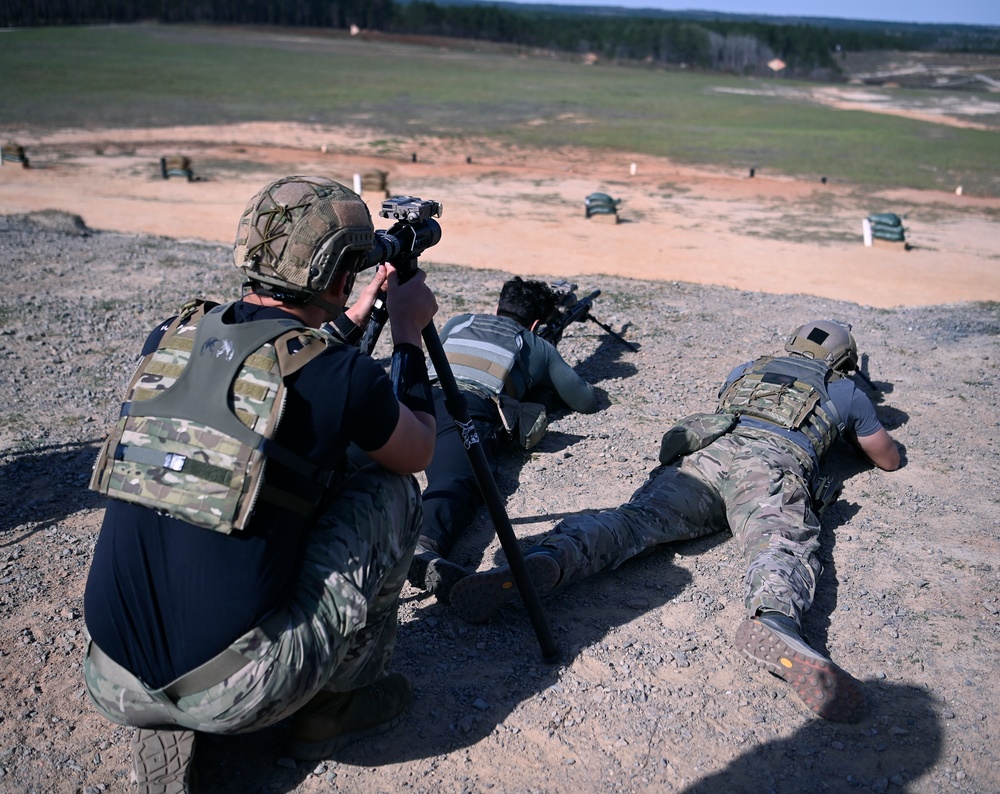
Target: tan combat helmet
column 297, row 233
column 825, row 340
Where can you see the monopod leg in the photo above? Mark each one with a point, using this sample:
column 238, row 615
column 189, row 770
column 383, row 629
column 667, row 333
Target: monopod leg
column 459, row 411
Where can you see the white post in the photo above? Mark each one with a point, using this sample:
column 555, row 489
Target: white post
column 357, row 184
column 866, row 232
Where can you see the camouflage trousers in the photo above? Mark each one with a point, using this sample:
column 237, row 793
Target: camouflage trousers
column 750, row 483
column 337, row 632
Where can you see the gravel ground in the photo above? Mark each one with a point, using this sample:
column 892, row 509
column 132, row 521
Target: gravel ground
column 649, row 693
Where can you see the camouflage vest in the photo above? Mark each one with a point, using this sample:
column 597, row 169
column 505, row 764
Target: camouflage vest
column 479, row 352
column 195, row 431
column 789, row 392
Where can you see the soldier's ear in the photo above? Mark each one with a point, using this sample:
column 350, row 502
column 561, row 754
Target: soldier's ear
column 343, row 283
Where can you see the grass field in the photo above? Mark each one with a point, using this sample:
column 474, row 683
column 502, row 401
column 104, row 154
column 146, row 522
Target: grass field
column 158, row 75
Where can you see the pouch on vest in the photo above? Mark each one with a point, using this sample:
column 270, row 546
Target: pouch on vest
column 790, row 393
column 525, row 423
column 692, row 433
column 824, row 493
column 195, row 430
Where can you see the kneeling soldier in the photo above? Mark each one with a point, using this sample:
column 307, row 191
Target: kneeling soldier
column 244, row 573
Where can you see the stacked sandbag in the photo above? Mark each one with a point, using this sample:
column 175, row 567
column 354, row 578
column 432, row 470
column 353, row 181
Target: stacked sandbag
column 176, row 165
column 887, row 226
column 375, row 183
column 601, row 205
column 13, row 153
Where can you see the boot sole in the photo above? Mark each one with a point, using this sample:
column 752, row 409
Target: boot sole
column 826, row 689
column 162, row 760
column 478, row 597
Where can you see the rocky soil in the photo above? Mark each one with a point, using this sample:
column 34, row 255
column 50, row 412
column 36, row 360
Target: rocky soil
column 649, row 693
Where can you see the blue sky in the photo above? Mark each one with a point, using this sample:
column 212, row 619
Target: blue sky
column 969, row 12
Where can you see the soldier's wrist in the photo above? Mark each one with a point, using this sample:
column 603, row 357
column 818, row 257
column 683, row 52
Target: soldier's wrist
column 349, row 331
column 410, row 381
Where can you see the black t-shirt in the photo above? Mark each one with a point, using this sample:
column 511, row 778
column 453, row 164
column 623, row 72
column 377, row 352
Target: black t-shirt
column 164, row 596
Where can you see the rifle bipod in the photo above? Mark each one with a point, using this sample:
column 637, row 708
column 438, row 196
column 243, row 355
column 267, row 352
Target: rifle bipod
column 608, row 329
column 569, row 309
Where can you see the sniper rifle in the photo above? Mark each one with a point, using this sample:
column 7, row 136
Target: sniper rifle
column 569, row 309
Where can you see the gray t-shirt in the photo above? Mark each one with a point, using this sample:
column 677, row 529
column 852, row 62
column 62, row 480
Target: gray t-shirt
column 854, row 407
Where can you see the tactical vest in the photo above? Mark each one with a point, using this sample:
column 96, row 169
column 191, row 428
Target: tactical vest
column 479, row 352
column 195, row 430
column 789, row 392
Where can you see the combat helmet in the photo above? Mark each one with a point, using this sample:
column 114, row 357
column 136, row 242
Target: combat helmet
column 299, row 232
column 825, row 340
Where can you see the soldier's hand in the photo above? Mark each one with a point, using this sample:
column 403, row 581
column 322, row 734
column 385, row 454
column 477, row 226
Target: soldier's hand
column 361, row 311
column 411, row 306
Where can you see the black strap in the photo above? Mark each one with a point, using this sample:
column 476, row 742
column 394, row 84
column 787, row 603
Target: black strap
column 174, row 462
column 347, row 330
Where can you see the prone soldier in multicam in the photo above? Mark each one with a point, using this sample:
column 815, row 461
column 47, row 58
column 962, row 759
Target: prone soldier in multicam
column 750, row 468
column 245, row 572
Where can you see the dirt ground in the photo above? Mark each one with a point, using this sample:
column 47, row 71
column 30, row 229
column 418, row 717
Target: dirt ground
column 523, row 211
column 705, row 270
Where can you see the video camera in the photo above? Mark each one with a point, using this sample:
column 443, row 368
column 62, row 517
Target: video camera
column 413, row 233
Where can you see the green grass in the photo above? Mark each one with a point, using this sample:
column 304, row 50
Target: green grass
column 165, row 75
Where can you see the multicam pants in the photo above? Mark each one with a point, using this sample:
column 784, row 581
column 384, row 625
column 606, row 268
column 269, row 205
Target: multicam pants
column 337, row 633
column 750, row 483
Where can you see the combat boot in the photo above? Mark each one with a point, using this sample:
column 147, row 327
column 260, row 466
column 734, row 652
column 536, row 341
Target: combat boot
column 772, row 640
column 479, row 596
column 431, row 571
column 333, row 720
column 162, row 760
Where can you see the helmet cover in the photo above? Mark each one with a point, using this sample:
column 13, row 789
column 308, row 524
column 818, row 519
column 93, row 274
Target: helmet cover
column 298, row 232
column 825, row 340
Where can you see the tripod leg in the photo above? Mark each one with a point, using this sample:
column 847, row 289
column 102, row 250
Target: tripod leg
column 455, row 402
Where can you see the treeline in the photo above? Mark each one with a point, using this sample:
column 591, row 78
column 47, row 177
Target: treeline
column 369, row 14
column 743, row 48
column 737, row 45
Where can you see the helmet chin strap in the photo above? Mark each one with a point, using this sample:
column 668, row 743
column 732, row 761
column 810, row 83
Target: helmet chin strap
column 330, row 308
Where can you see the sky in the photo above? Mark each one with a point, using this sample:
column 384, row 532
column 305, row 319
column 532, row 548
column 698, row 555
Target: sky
column 968, row 12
